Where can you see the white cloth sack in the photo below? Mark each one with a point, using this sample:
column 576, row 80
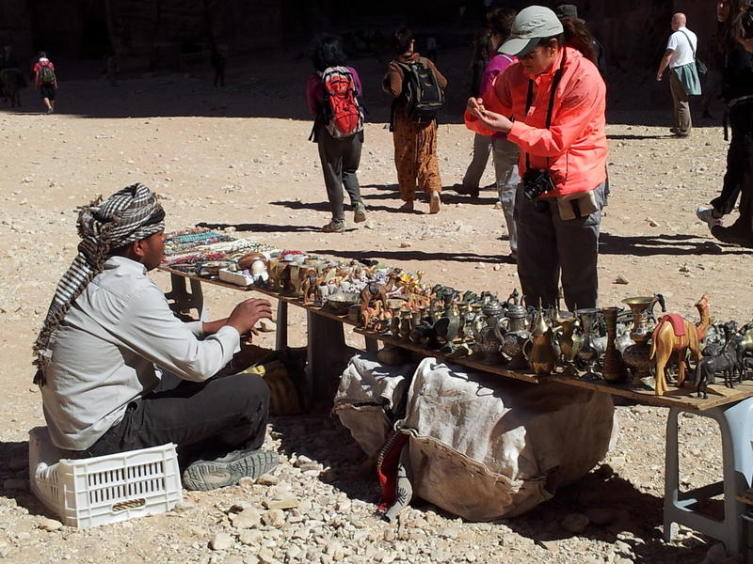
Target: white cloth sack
column 368, row 394
column 485, row 447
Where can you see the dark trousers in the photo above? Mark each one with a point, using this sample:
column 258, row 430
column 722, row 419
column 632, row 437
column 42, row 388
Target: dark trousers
column 550, row 247
column 340, row 159
column 738, row 179
column 219, row 415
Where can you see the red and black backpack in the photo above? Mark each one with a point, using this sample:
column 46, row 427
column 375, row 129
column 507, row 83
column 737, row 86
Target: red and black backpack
column 341, row 113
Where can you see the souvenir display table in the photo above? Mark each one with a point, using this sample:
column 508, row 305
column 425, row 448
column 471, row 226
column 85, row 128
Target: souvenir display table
column 730, row 406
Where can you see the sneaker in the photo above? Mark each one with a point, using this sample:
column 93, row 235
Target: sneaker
column 706, row 214
column 407, row 207
column 334, row 227
column 360, row 213
column 434, row 202
column 472, row 192
column 206, row 475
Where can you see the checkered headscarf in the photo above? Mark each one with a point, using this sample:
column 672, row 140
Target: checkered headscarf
column 129, row 215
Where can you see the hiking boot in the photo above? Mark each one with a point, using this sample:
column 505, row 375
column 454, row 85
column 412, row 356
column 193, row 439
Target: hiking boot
column 206, row 475
column 359, row 216
column 707, row 214
column 407, row 207
column 434, row 202
column 334, row 226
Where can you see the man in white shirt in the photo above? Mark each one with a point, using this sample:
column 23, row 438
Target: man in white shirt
column 107, row 337
column 683, row 78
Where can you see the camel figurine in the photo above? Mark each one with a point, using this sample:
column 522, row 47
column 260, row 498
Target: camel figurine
column 675, row 334
column 371, row 315
column 371, row 293
column 310, row 286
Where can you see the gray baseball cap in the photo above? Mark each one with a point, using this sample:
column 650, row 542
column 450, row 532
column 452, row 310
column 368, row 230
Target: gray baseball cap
column 531, row 25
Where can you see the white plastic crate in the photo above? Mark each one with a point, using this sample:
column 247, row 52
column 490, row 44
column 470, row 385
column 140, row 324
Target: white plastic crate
column 106, row 489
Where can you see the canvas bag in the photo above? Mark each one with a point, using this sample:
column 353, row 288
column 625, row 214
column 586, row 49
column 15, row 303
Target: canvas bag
column 485, row 448
column 367, row 399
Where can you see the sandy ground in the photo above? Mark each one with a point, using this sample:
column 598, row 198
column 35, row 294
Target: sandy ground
column 239, row 158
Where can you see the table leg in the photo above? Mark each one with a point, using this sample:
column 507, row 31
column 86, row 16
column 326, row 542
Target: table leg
column 326, row 355
column 372, row 345
column 182, row 300
column 281, row 337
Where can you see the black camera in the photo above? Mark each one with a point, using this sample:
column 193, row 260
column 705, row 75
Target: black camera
column 537, row 181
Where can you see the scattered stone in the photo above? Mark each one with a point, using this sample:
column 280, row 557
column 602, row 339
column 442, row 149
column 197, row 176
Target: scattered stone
column 651, row 222
column 621, row 280
column 50, row 525
column 246, row 519
column 405, row 244
column 287, row 503
column 601, row 515
column 251, row 537
column 268, row 480
column 274, row 518
column 575, row 523
column 684, row 268
column 221, row 541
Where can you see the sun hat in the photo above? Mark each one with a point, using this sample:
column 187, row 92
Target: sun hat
column 531, row 25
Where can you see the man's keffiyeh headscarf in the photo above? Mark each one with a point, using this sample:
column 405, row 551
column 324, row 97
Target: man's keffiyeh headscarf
column 129, row 215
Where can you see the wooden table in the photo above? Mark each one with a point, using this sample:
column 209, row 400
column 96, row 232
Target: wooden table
column 325, row 335
column 326, row 344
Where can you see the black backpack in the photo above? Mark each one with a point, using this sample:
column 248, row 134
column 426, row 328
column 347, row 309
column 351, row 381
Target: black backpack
column 422, row 95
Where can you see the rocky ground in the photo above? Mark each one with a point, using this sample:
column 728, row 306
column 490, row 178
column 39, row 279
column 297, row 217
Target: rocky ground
column 238, row 158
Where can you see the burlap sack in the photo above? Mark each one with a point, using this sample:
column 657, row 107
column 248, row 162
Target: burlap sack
column 485, row 447
column 367, row 398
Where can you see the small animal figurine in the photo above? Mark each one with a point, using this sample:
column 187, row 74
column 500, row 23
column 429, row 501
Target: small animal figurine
column 675, row 334
column 725, row 363
column 373, row 292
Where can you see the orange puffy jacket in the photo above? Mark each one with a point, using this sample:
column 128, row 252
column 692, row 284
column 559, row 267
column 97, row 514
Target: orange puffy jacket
column 574, row 148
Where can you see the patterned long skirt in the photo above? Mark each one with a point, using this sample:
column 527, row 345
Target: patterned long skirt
column 416, row 157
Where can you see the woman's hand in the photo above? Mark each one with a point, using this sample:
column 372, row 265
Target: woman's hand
column 473, row 105
column 494, row 121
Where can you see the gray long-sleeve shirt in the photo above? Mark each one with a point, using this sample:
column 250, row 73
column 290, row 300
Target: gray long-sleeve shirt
column 106, row 349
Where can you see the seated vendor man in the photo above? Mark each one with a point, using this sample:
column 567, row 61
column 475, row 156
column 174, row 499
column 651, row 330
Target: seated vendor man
column 109, row 334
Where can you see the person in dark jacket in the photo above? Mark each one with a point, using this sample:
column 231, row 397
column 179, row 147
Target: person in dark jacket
column 736, row 23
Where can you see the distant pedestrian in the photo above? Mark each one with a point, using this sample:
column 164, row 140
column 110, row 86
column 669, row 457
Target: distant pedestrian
column 46, row 80
column 332, row 94
column 218, row 61
column 413, row 121
column 483, row 50
column 683, row 76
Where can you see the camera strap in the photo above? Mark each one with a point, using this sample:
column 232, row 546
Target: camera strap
column 552, row 89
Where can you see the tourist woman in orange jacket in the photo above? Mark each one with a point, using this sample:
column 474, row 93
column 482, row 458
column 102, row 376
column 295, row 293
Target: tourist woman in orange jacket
column 551, row 104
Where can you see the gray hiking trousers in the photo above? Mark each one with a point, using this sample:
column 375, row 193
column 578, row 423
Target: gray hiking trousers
column 550, row 247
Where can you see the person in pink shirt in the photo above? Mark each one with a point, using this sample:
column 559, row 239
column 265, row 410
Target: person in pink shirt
column 551, row 104
column 504, row 152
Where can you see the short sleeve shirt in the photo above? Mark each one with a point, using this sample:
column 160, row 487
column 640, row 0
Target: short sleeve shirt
column 683, row 47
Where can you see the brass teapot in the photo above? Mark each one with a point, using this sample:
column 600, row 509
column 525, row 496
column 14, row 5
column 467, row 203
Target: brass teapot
column 540, row 350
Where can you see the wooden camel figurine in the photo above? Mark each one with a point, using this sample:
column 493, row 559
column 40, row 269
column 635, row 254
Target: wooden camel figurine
column 675, row 335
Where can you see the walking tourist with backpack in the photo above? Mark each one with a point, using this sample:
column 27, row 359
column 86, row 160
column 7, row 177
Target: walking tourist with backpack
column 736, row 45
column 46, row 81
column 332, row 94
column 418, row 90
column 551, row 103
